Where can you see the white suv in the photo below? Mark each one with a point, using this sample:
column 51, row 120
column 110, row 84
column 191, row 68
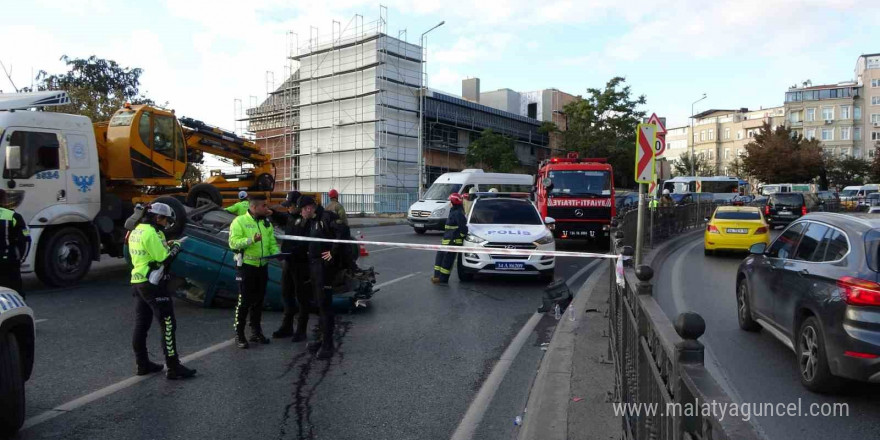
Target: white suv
column 504, row 222
column 16, row 358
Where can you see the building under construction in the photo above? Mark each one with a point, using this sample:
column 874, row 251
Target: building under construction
column 347, row 116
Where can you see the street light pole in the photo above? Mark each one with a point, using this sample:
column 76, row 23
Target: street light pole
column 421, row 186
column 694, row 135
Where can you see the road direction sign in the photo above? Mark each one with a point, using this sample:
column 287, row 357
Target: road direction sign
column 646, row 136
column 660, row 143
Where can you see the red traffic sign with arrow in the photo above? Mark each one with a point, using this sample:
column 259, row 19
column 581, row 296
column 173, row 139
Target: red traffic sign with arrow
column 645, row 139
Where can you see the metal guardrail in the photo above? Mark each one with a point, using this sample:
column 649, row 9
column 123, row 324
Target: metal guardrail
column 387, row 203
column 658, row 362
column 663, row 222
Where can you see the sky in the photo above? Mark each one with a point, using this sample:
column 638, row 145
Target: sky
column 201, row 55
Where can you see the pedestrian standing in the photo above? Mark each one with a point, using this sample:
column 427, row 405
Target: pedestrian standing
column 322, row 270
column 240, row 207
column 335, row 207
column 295, row 271
column 150, row 257
column 456, row 230
column 14, row 245
column 252, row 238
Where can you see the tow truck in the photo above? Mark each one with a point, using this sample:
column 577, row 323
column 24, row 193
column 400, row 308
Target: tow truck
column 75, row 182
column 579, row 194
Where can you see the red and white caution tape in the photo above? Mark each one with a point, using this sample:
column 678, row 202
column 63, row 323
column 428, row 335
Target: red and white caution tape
column 458, row 249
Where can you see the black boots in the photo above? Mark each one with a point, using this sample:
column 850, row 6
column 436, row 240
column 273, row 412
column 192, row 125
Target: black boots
column 286, row 329
column 326, row 351
column 257, row 336
column 302, row 328
column 176, row 371
column 241, row 341
column 144, row 369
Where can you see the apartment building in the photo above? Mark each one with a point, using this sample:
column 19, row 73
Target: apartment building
column 831, row 113
column 720, row 136
column 867, row 74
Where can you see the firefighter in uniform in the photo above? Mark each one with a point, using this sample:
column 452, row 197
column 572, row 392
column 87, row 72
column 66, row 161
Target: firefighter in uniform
column 252, row 238
column 456, row 230
column 240, row 207
column 14, row 246
column 151, row 253
column 295, row 271
column 335, row 207
column 323, row 259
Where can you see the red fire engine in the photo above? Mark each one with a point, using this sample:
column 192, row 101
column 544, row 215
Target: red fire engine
column 578, row 194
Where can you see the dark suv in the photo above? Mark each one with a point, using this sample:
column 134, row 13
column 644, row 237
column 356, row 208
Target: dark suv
column 785, row 207
column 816, row 289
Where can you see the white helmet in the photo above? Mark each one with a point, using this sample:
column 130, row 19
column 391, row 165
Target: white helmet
column 242, row 195
column 161, row 209
column 665, row 192
column 493, row 190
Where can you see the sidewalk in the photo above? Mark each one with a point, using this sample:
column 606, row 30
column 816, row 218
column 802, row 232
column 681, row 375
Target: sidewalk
column 570, row 398
column 371, row 222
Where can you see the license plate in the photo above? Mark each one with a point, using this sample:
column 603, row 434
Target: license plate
column 737, row 231
column 510, row 266
column 784, row 212
column 419, row 225
column 580, row 233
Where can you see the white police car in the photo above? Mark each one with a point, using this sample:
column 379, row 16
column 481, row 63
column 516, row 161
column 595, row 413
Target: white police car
column 16, row 358
column 507, row 221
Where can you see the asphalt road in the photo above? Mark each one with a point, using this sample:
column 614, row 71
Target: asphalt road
column 407, row 368
column 755, row 367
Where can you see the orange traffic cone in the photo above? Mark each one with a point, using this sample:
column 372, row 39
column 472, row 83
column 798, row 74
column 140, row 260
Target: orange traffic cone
column 363, row 249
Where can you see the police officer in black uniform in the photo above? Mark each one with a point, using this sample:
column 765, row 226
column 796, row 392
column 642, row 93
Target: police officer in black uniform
column 323, row 258
column 295, row 270
column 15, row 242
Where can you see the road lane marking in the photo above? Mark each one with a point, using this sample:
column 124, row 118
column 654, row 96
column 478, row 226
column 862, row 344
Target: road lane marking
column 126, row 383
column 677, row 285
column 474, row 415
column 37, row 321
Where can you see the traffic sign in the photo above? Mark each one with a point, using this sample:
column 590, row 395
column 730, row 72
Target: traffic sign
column 660, row 143
column 646, row 136
column 699, row 186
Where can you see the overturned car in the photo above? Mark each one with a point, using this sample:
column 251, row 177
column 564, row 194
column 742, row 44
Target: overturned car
column 204, row 271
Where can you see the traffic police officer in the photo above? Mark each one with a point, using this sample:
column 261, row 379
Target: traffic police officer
column 322, row 270
column 335, row 207
column 295, row 270
column 150, row 256
column 15, row 242
column 241, row 206
column 252, row 237
column 456, row 230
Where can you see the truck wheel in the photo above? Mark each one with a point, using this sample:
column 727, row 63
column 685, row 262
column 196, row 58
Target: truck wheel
column 175, row 228
column 64, row 257
column 11, row 387
column 203, row 193
column 265, row 182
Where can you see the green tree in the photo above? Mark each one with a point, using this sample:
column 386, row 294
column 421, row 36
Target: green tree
column 875, row 164
column 846, row 171
column 778, row 155
column 682, row 165
column 547, row 127
column 603, row 124
column 96, row 87
column 492, row 152
column 736, row 167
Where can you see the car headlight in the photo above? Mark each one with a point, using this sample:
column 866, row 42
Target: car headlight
column 439, row 212
column 547, row 239
column 474, row 239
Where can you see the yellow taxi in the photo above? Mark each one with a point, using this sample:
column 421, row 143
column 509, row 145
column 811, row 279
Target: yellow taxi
column 735, row 228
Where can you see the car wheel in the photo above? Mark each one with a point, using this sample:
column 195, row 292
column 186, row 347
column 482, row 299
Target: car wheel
column 744, row 310
column 464, row 274
column 64, row 257
column 420, row 231
column 11, row 387
column 812, row 358
column 708, row 252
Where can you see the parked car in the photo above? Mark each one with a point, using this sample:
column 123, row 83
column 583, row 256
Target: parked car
column 204, row 271
column 735, row 228
column 816, row 289
column 16, row 359
column 831, row 199
column 871, row 200
column 784, row 208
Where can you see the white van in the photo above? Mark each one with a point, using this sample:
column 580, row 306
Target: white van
column 858, row 192
column 430, row 212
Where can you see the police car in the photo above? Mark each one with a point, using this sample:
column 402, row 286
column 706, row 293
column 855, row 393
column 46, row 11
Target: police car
column 16, row 358
column 507, row 221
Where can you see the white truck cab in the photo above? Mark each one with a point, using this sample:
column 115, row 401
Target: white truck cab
column 51, row 177
column 430, row 212
column 16, row 358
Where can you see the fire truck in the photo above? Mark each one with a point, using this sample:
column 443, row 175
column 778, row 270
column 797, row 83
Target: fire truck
column 579, row 194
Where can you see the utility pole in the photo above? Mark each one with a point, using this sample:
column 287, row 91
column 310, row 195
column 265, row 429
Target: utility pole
column 693, row 134
column 422, row 92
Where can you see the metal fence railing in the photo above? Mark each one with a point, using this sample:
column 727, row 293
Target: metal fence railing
column 386, row 203
column 658, row 362
column 663, row 222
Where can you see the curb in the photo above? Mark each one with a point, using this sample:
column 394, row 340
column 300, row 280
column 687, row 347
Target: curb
column 374, row 225
column 547, row 406
column 658, row 255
